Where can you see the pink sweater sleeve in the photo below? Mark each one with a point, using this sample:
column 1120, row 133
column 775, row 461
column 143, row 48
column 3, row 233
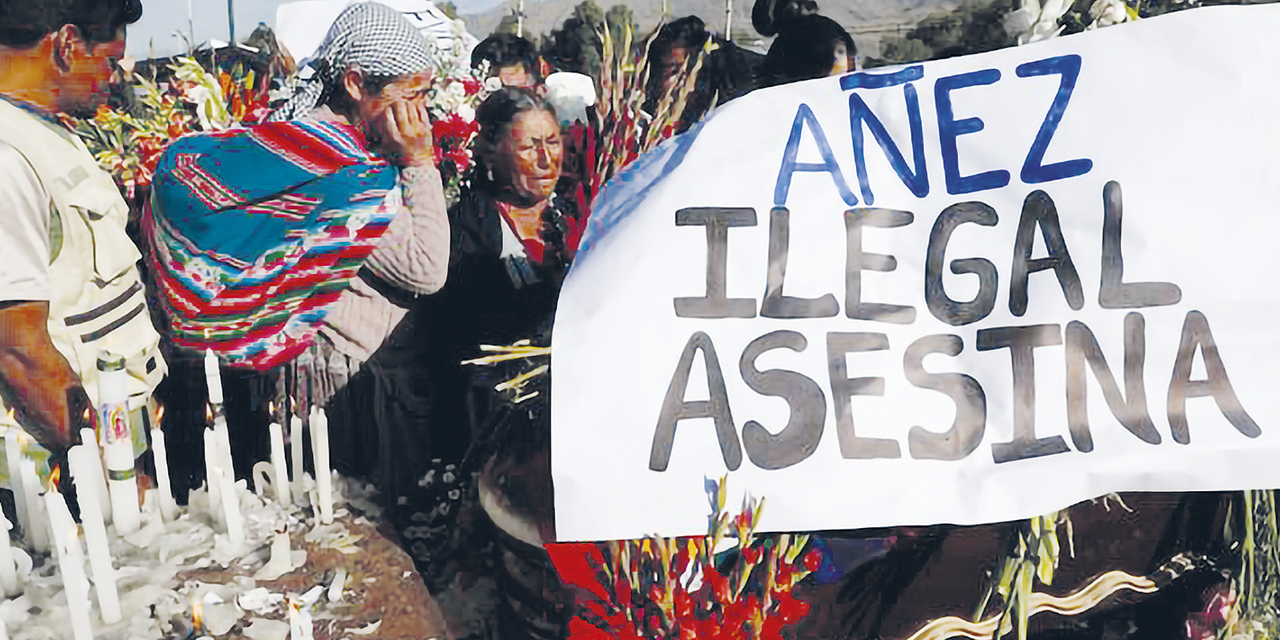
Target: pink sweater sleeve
column 413, row 253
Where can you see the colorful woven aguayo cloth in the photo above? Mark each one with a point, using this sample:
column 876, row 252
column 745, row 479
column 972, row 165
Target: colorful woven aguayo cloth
column 255, row 231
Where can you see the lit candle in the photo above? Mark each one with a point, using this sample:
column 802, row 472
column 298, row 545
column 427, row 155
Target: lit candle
column 13, row 458
column 8, row 569
column 197, row 617
column 230, row 507
column 71, row 565
column 295, row 624
column 280, row 477
column 210, row 467
column 99, row 480
column 168, row 508
column 295, row 443
column 36, row 531
column 95, row 533
column 320, row 453
column 299, row 621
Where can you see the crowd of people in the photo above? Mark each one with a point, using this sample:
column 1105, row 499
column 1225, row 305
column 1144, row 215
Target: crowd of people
column 390, row 314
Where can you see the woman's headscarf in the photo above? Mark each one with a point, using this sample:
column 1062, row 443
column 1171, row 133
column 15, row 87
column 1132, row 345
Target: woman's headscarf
column 369, row 35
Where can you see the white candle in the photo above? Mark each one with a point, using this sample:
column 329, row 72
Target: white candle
column 168, row 508
column 95, row 533
column 13, row 458
column 212, row 376
column 8, row 569
column 224, row 446
column 122, row 484
column 210, row 478
column 90, row 440
column 281, row 473
column 295, row 629
column 71, row 565
column 37, row 527
column 300, row 625
column 320, row 453
column 230, row 507
column 295, row 443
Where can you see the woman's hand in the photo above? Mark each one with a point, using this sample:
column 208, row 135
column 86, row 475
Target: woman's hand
column 407, row 139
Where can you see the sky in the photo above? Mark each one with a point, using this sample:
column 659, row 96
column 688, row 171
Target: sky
column 162, row 19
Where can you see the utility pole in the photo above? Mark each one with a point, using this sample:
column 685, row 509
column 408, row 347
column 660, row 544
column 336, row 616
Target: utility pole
column 191, row 30
column 231, row 20
column 728, row 20
column 519, row 18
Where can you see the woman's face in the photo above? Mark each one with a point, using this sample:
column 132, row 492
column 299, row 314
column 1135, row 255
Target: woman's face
column 840, row 65
column 528, row 158
column 371, row 108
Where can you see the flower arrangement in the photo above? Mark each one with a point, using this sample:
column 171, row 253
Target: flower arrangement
column 626, row 131
column 1247, row 607
column 128, row 143
column 245, row 101
column 730, row 584
column 456, row 91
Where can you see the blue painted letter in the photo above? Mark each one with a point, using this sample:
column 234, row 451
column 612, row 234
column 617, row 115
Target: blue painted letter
column 917, row 181
column 949, row 129
column 804, row 116
column 1032, row 171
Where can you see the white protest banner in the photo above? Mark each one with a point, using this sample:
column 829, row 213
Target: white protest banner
column 966, row 291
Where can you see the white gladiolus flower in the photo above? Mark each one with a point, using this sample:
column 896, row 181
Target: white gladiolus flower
column 1020, row 20
column 1108, row 12
column 1033, row 22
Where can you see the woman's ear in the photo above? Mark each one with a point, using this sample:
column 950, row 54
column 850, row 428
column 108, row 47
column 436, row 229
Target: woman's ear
column 353, row 83
column 67, row 44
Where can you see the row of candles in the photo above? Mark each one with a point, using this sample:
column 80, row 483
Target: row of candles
column 109, row 493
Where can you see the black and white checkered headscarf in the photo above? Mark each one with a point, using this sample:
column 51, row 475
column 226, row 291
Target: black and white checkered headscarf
column 369, row 35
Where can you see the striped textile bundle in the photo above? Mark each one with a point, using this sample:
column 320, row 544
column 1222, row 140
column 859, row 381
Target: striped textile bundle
column 255, row 231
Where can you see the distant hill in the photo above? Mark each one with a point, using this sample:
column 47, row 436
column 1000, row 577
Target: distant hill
column 867, row 20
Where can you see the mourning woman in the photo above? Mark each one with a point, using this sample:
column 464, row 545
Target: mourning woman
column 508, row 258
column 341, row 183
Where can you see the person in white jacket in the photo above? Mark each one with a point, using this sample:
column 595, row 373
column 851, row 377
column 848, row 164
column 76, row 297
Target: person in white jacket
column 69, row 285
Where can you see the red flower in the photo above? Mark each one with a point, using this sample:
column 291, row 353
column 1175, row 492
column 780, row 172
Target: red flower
column 813, row 560
column 257, row 114
column 719, row 583
column 460, row 159
column 791, row 610
column 453, row 126
column 472, row 86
